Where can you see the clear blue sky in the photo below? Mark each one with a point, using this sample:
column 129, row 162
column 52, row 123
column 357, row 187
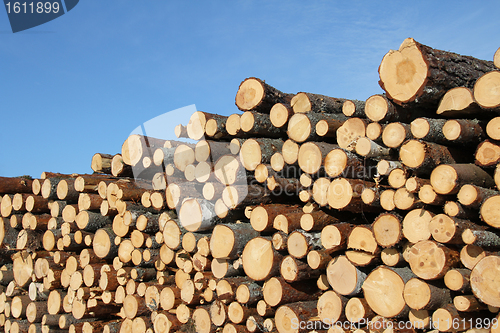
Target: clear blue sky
column 80, row 84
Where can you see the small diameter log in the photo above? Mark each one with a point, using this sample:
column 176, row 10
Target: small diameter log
column 350, row 131
column 470, row 255
column 354, row 108
column 294, row 270
column 430, row 260
column 300, row 312
column 215, row 128
column 414, row 184
column 392, row 257
column 307, row 102
column 280, row 114
column 302, row 127
column 379, row 108
column 428, row 129
column 383, row 290
column 311, row 156
column 458, row 280
column 101, row 163
column 368, row 148
column 254, row 94
column 459, row 103
column 448, row 314
column 395, row 133
column 260, row 260
column 416, row 225
column 490, row 211
column 345, row 194
column 183, row 156
column 317, row 220
column 249, row 293
column 446, row 229
column 334, row 237
column 428, row 196
column 256, row 151
column 420, row 295
column 345, row 278
column 331, row 307
column 257, row 124
column 341, row 162
column 397, row 178
column 485, row 91
column 198, row 215
column 228, row 240
column 493, row 128
column 472, row 196
column 464, row 131
column 239, row 196
column 277, row 291
column 374, row 131
column 488, row 154
column 135, row 147
column 423, row 157
column 120, row 169
column 448, row 178
column 197, row 124
column 387, row 229
column 481, row 238
column 483, row 280
column 455, row 209
column 104, row 245
column 357, row 310
column 405, row 200
column 361, row 238
column 468, row 303
column 233, row 125
column 422, row 75
column 290, row 151
column 299, row 243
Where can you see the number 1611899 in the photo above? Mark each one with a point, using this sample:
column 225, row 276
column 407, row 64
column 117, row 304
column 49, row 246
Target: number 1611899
column 32, row 7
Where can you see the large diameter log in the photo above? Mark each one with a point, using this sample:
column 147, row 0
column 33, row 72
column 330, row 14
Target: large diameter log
column 254, row 94
column 228, row 240
column 420, row 74
column 484, row 280
column 459, row 102
column 383, row 290
column 260, row 260
column 448, row 178
column 430, row 260
column 22, row 267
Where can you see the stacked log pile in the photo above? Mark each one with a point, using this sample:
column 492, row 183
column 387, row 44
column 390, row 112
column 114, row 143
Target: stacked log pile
column 303, row 211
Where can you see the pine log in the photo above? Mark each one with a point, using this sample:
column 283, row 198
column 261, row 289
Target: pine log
column 368, row 148
column 280, row 114
column 354, row 108
column 459, row 103
column 423, row 157
column 416, row 225
column 357, row 310
column 448, row 178
column 464, row 131
column 446, row 229
column 345, row 278
column 334, row 237
column 493, row 128
column 277, row 291
column 458, row 280
column 483, row 281
column 383, row 290
column 374, row 131
column 429, row 129
column 136, row 146
column 260, row 260
column 430, row 260
column 311, row 156
column 331, row 307
column 255, row 94
column 379, row 108
column 290, row 152
column 302, row 127
column 257, row 124
column 387, row 229
column 256, row 151
column 420, row 295
column 228, row 240
column 422, row 75
column 238, row 196
column 341, row 162
column 485, row 90
column 395, row 133
column 197, row 124
column 488, row 154
column 350, row 131
column 15, row 185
